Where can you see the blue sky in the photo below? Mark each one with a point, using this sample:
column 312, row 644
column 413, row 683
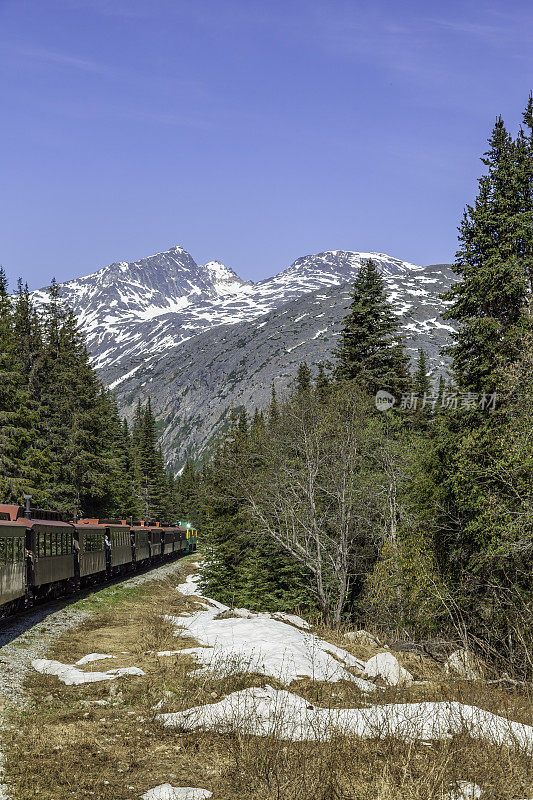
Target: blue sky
column 248, row 131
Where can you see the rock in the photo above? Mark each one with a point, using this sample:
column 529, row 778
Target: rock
column 462, row 664
column 362, row 637
column 388, row 668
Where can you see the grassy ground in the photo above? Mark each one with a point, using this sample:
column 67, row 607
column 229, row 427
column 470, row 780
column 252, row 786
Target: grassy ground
column 102, row 740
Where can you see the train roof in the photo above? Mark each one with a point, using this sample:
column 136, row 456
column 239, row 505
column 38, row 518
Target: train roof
column 14, row 523
column 14, row 515
column 9, row 512
column 89, row 525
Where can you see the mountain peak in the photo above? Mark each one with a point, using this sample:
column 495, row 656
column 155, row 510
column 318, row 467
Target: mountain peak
column 142, row 308
column 225, row 280
column 345, row 263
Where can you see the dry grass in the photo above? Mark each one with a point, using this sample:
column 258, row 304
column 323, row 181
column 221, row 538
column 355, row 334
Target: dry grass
column 103, row 741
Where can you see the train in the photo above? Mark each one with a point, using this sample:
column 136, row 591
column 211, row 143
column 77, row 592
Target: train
column 43, row 556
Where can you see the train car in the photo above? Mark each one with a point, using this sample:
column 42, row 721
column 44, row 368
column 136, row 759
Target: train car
column 168, row 537
column 50, row 543
column 141, row 543
column 190, row 537
column 180, row 543
column 89, row 542
column 193, row 538
column 171, row 539
column 156, row 542
column 121, row 550
column 12, row 559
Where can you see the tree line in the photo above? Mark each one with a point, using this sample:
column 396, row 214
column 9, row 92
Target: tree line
column 62, row 439
column 418, row 516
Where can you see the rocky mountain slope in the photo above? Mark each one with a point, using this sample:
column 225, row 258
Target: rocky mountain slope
column 195, row 385
column 199, row 340
column 152, row 304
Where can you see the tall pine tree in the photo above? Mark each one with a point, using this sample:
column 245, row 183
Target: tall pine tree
column 16, row 419
column 370, row 349
column 495, row 264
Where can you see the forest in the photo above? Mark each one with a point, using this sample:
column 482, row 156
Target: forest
column 417, row 517
column 62, row 439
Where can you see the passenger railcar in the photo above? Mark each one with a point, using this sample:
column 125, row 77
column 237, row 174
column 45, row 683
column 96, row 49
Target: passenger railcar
column 43, row 556
column 141, row 544
column 89, row 541
column 12, row 561
column 156, row 548
column 120, row 546
column 50, row 546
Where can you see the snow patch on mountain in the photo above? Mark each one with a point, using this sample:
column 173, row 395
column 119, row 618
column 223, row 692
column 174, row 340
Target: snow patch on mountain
column 199, row 340
column 147, row 306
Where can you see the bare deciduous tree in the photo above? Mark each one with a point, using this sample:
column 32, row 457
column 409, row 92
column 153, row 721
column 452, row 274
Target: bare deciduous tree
column 326, row 491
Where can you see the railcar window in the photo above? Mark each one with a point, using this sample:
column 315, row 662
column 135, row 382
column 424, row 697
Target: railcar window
column 119, row 538
column 11, row 550
column 55, row 543
column 19, row 549
column 93, row 542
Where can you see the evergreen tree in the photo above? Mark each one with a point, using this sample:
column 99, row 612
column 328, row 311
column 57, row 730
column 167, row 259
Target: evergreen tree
column 303, row 379
column 150, row 477
column 61, row 436
column 120, row 499
column 273, row 409
column 440, row 393
column 323, row 384
column 258, row 426
column 186, row 491
column 15, row 417
column 26, row 331
column 478, row 468
column 495, row 263
column 152, row 474
column 241, row 429
column 421, row 382
column 370, row 348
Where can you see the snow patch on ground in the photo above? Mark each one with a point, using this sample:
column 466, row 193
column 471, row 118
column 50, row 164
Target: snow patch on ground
column 71, row 676
column 92, row 657
column 250, row 642
column 465, row 790
column 168, row 652
column 167, row 792
column 271, row 712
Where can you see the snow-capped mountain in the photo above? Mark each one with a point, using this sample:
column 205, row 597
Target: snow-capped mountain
column 199, row 340
column 194, row 386
column 158, row 302
column 126, row 306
